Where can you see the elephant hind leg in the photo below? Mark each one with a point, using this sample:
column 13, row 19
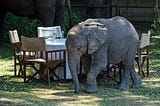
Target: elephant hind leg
column 130, row 70
column 137, row 82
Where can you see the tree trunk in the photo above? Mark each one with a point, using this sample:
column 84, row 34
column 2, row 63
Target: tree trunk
column 94, row 11
column 2, row 16
column 157, row 9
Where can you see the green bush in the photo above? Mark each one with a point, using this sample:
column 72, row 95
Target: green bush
column 67, row 24
column 24, row 26
column 28, row 27
column 155, row 27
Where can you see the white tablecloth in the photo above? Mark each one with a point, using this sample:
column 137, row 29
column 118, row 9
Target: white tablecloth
column 57, row 44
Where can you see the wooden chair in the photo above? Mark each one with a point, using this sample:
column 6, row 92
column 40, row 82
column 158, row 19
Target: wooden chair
column 113, row 72
column 143, row 54
column 50, row 32
column 16, row 45
column 47, row 60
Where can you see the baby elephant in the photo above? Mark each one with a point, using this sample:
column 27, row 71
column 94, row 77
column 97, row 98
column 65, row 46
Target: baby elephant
column 99, row 42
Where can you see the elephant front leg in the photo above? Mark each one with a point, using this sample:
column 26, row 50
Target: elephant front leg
column 125, row 80
column 97, row 64
column 91, row 83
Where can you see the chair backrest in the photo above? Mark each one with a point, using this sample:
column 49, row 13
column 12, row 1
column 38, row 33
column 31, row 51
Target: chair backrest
column 49, row 32
column 145, row 40
column 33, row 44
column 13, row 35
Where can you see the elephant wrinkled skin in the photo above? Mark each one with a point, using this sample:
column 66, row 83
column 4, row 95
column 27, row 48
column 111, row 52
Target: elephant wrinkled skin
column 99, row 42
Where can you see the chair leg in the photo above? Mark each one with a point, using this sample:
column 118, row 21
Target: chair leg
column 24, row 73
column 147, row 67
column 15, row 67
column 20, row 70
column 114, row 70
column 64, row 68
column 20, row 65
column 48, row 76
column 32, row 76
column 139, row 67
column 54, row 74
column 108, row 74
column 64, row 76
column 120, row 74
column 143, row 61
column 140, row 71
column 40, row 72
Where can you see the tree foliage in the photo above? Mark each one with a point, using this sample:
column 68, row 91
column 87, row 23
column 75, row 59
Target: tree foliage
column 25, row 26
column 28, row 27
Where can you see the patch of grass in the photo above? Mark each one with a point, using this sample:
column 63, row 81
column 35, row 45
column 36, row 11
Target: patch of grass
column 14, row 92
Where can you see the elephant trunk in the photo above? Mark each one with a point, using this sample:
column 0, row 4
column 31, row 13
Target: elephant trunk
column 73, row 63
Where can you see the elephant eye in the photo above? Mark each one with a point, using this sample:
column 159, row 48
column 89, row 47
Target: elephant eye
column 78, row 48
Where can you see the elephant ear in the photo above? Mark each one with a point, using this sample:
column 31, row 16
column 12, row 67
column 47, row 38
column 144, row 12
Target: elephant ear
column 98, row 35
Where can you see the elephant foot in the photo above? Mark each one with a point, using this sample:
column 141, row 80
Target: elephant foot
column 123, row 87
column 91, row 89
column 137, row 84
column 76, row 88
column 76, row 92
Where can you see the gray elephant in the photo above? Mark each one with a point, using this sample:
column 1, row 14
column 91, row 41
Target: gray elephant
column 50, row 12
column 98, row 42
